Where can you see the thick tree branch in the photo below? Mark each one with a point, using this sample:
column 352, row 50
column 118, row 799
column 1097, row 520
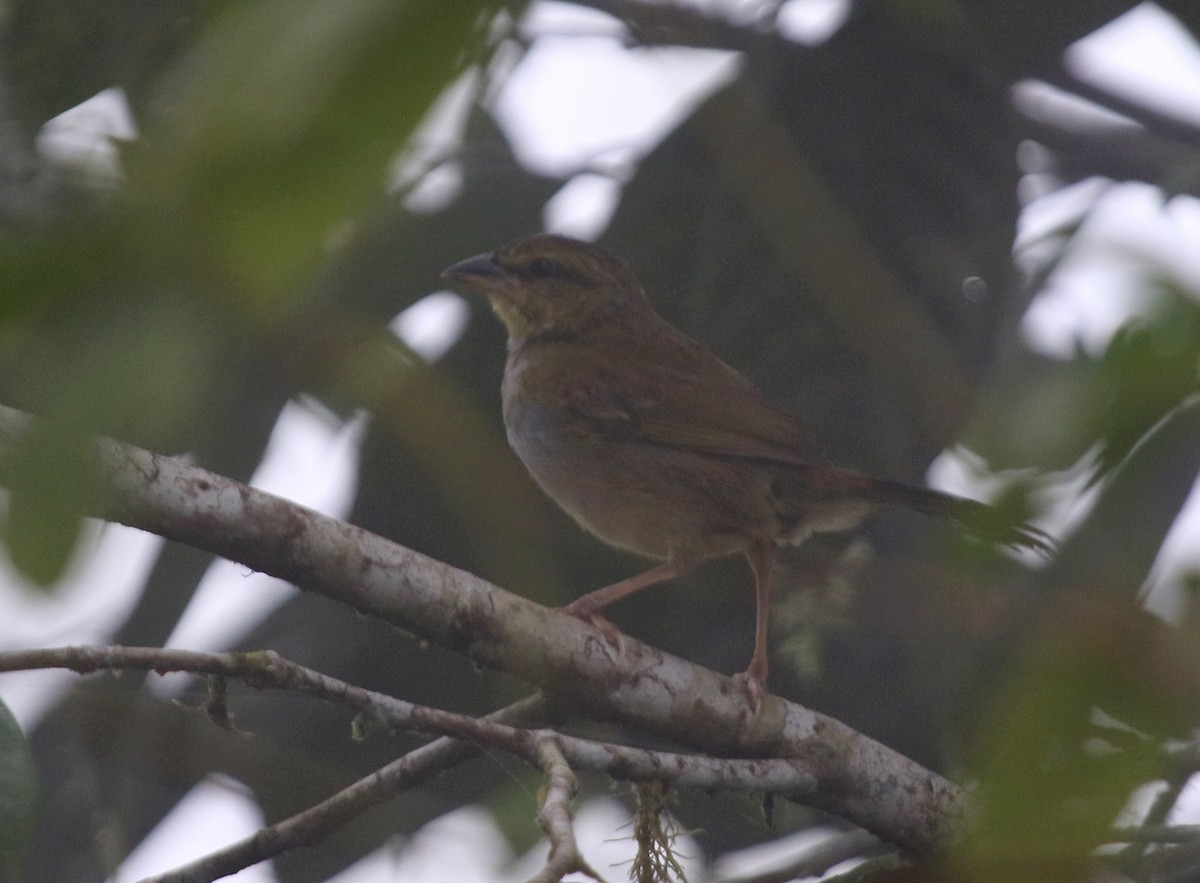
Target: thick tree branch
column 854, row 777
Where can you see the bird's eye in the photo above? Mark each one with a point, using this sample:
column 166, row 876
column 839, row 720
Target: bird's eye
column 545, row 267
column 549, row 268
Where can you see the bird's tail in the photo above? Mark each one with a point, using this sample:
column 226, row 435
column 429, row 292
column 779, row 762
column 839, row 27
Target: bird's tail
column 983, row 520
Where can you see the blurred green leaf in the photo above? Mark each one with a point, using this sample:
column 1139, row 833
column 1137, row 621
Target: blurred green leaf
column 1151, row 365
column 18, row 796
column 49, row 483
column 108, row 358
column 1052, row 780
column 44, row 268
column 279, row 124
column 1059, row 412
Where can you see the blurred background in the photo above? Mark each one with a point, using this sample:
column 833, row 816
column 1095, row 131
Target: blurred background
column 959, row 240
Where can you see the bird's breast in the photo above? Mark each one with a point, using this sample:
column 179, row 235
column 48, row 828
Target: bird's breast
column 646, row 498
column 551, row 440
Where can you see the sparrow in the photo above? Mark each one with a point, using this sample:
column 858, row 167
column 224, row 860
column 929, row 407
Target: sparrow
column 654, row 445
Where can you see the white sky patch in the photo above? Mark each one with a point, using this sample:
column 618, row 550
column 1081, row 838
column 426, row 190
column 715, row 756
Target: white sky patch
column 425, row 163
column 433, row 324
column 567, row 19
column 1146, row 56
column 603, row 829
column 83, row 136
column 1129, row 235
column 99, row 590
column 440, row 131
column 1057, row 106
column 436, row 189
column 311, row 459
column 1187, row 809
column 1178, row 559
column 1128, row 238
column 811, row 21
column 581, row 101
column 760, row 860
column 584, row 206
column 436, row 853
column 214, row 814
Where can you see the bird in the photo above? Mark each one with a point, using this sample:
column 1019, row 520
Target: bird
column 656, row 446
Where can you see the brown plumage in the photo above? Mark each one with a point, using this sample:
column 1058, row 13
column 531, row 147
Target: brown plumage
column 655, row 445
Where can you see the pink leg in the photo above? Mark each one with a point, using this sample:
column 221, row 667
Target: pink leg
column 762, row 561
column 589, row 606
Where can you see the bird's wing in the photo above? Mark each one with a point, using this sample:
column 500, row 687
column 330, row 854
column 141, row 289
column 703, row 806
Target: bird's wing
column 686, row 398
column 727, row 416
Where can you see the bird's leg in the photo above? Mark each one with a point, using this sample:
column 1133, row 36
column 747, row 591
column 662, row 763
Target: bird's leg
column 589, row 606
column 754, row 678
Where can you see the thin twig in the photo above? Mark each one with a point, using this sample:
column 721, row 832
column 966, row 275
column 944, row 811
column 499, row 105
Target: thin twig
column 1182, row 765
column 795, row 776
column 555, row 815
column 318, row 822
column 678, row 24
column 1149, row 834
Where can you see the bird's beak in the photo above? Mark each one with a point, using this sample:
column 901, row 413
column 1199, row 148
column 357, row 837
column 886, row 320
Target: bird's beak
column 481, row 271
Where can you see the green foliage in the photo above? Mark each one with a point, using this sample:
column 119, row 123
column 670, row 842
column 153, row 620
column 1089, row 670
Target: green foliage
column 270, row 128
column 44, row 517
column 1149, row 367
column 18, row 797
column 278, row 125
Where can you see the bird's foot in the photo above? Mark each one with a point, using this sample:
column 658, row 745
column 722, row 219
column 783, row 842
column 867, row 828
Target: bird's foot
column 754, row 682
column 581, row 609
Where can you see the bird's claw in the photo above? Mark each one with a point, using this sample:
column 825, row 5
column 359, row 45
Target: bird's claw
column 587, row 613
column 753, row 682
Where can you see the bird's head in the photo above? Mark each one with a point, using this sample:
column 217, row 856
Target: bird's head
column 553, row 285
